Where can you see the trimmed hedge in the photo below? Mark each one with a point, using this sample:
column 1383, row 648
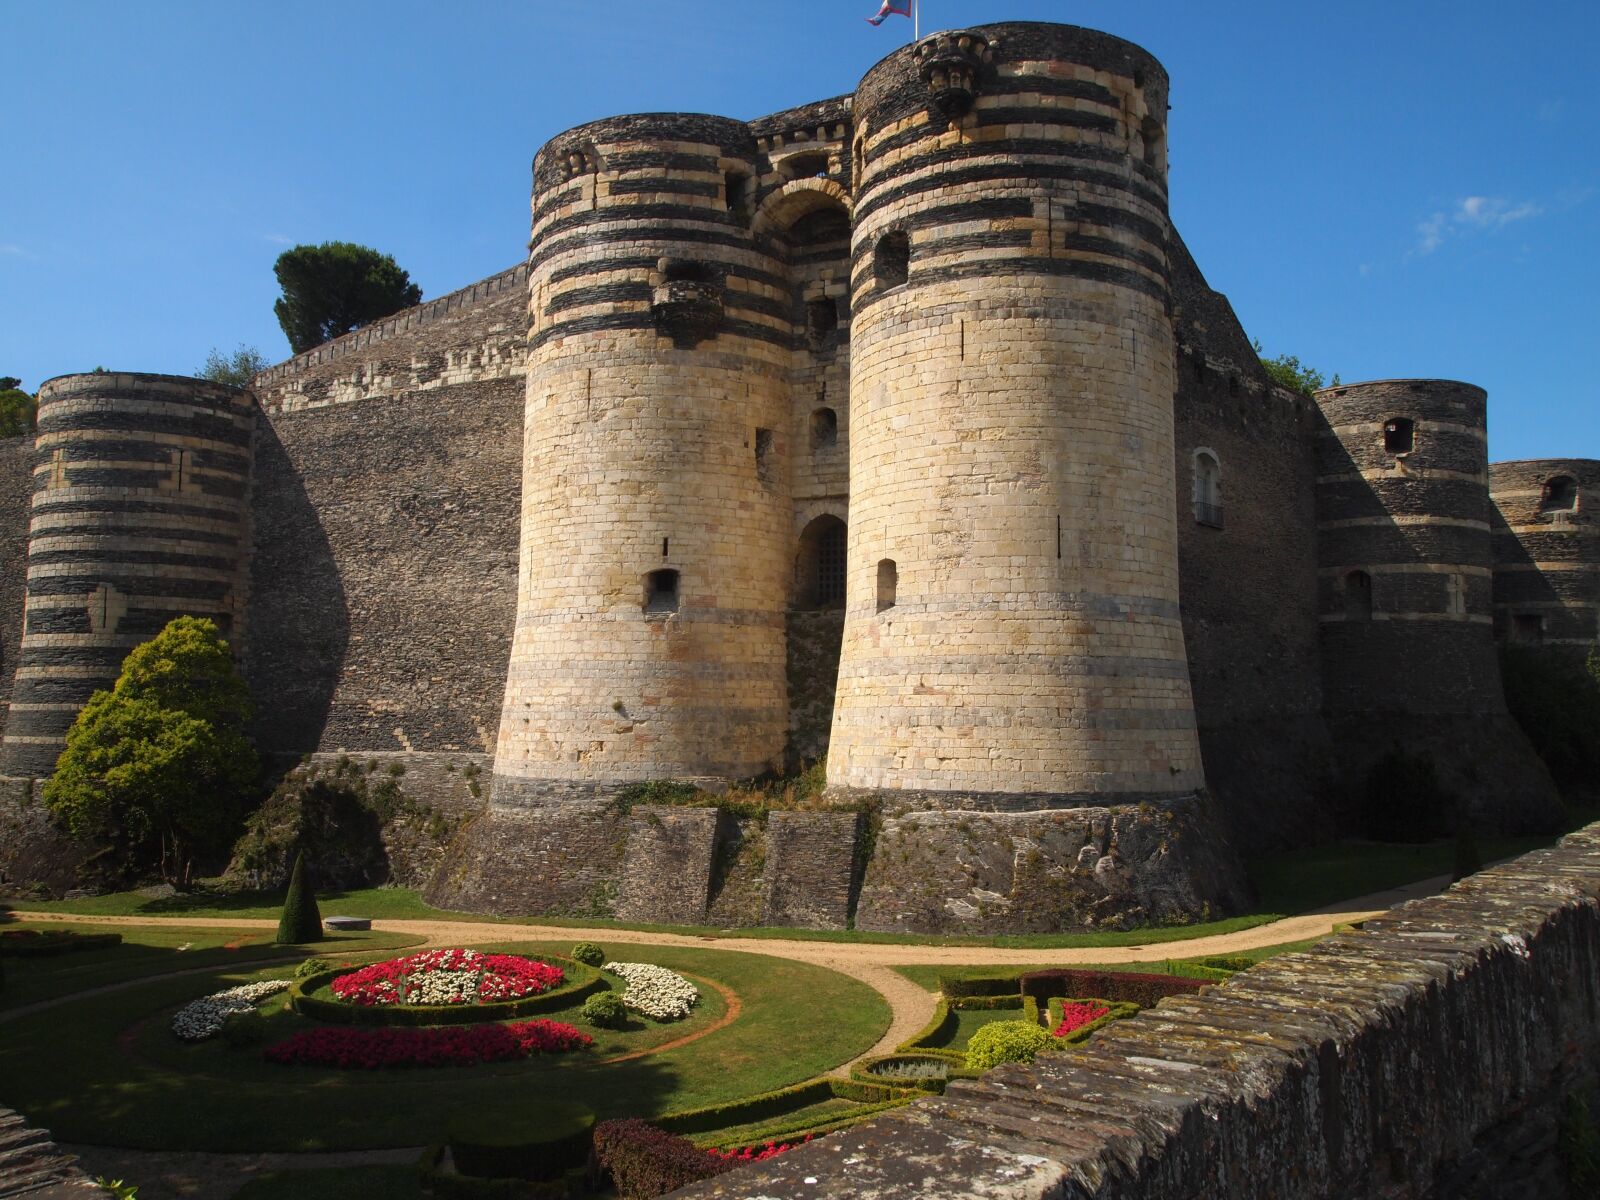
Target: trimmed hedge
column 1143, row 990
column 777, row 1131
column 645, row 1161
column 300, row 922
column 873, row 1095
column 30, row 943
column 953, row 986
column 943, row 1024
column 1006, row 1042
column 981, row 1003
column 581, row 981
column 452, row 1186
column 537, row 1142
column 954, row 1064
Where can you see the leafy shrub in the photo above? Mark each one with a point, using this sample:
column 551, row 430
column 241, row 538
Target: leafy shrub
column 1005, row 1042
column 588, row 952
column 1143, row 990
column 644, row 1161
column 245, row 1030
column 301, row 921
column 605, row 1010
column 310, row 967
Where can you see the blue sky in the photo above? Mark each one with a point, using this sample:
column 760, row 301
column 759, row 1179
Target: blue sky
column 1407, row 188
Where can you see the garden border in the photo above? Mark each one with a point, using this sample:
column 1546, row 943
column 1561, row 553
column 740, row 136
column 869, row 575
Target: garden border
column 581, row 981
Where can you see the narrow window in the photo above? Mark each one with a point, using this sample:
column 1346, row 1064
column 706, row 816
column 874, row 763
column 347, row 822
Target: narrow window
column 820, row 564
column 822, row 318
column 824, row 429
column 1398, row 435
column 661, row 592
column 860, row 162
column 1207, row 492
column 888, row 581
column 734, row 185
column 1527, row 628
column 891, row 259
column 765, row 458
column 1456, row 594
column 1559, row 495
column 664, row 543
column 684, row 270
column 1358, row 596
column 1150, row 134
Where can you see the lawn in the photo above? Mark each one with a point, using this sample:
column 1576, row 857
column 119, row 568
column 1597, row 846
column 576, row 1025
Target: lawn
column 122, row 1080
column 148, row 950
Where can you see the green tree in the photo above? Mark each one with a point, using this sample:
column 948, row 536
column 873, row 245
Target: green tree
column 301, row 921
column 18, row 410
column 160, row 764
column 336, row 287
column 236, row 369
column 1288, row 371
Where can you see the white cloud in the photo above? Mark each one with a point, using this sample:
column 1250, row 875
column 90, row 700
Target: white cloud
column 15, row 250
column 277, row 239
column 1472, row 213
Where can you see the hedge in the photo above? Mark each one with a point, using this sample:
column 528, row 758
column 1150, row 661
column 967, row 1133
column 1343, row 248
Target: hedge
column 645, row 1161
column 942, row 1024
column 538, row 1142
column 1143, row 990
column 772, row 1105
column 955, row 1069
column 30, row 943
column 790, row 1130
column 452, row 1186
column 581, row 981
column 980, row 1003
column 953, row 986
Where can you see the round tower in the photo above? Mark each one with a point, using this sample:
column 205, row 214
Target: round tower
column 1012, row 624
column 1547, row 552
column 1403, row 549
column 141, row 513
column 655, row 508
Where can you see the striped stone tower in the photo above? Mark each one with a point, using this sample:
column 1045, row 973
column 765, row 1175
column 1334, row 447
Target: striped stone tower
column 1547, row 552
column 649, row 638
column 140, row 514
column 1403, row 549
column 1012, row 628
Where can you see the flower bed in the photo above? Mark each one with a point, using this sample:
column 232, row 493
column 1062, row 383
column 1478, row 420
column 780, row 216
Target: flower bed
column 1077, row 1013
column 748, row 1154
column 655, row 992
column 204, row 1018
column 371, row 1049
column 452, row 976
column 378, row 998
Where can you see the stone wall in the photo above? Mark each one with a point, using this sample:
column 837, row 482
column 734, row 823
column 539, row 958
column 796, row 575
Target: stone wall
column 16, row 489
column 384, row 572
column 1247, row 570
column 36, row 858
column 470, row 336
column 812, row 667
column 1426, row 1056
column 811, row 869
column 667, row 866
column 1547, row 552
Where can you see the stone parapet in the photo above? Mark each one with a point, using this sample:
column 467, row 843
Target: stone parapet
column 1426, row 1056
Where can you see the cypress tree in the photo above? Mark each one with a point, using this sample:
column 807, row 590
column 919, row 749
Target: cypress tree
column 301, row 922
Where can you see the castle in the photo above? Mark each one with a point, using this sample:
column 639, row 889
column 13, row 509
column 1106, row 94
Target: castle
column 899, row 427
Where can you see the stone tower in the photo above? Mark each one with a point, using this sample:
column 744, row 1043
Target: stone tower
column 1012, row 625
column 655, row 509
column 1547, row 552
column 141, row 513
column 1406, row 573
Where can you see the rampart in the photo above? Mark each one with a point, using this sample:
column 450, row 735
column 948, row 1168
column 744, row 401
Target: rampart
column 1426, row 1056
column 1547, row 552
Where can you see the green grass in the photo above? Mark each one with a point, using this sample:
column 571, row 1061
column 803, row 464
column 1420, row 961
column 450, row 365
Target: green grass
column 760, row 1131
column 148, row 950
column 1297, row 881
column 120, row 1079
column 380, row 903
column 336, row 1183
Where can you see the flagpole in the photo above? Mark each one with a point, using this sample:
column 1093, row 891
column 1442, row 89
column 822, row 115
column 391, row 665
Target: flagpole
column 916, row 21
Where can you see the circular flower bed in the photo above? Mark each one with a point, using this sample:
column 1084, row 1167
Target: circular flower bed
column 656, row 992
column 456, row 1046
column 203, row 1018
column 451, row 976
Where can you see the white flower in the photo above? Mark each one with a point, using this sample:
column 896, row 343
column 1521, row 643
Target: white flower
column 203, row 1018
column 655, row 991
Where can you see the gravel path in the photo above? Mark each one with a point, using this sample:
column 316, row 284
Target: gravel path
column 164, row 1175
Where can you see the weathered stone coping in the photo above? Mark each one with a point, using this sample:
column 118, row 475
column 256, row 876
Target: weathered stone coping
column 1424, row 1055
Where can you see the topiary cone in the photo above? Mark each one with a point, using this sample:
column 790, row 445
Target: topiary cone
column 301, row 922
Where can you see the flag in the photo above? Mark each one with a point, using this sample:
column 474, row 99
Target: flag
column 891, row 8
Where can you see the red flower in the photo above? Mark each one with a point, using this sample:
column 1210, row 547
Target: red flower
column 450, row 1046
column 1076, row 1016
